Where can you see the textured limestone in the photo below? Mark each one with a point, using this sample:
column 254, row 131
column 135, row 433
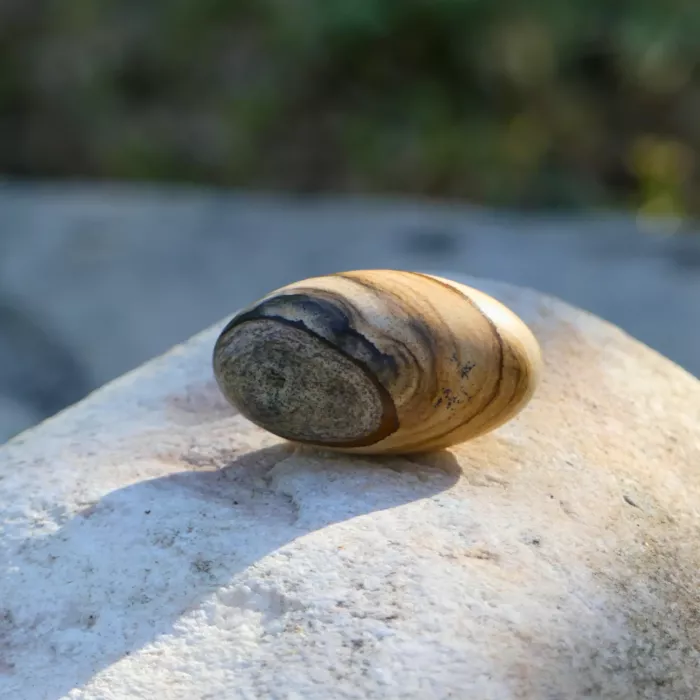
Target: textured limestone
column 155, row 545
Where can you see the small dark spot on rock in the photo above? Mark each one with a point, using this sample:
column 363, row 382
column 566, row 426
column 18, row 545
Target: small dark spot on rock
column 357, row 643
column 629, row 501
column 466, row 369
column 235, row 503
column 202, row 566
column 531, row 539
column 450, row 398
column 147, row 512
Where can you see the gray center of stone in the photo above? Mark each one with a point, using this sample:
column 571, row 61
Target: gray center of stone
column 297, row 385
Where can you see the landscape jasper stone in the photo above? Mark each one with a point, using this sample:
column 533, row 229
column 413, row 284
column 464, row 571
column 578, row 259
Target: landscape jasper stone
column 377, row 362
column 156, row 545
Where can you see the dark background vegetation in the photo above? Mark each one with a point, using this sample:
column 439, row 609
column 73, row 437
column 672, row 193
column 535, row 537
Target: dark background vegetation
column 580, row 104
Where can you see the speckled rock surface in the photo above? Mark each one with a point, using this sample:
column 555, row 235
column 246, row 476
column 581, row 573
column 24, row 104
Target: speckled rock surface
column 155, row 545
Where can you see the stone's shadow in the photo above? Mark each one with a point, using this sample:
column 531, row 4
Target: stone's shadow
column 123, row 571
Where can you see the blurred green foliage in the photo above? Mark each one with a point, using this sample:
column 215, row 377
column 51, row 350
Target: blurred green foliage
column 589, row 103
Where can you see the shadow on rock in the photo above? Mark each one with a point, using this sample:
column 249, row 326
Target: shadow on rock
column 122, row 572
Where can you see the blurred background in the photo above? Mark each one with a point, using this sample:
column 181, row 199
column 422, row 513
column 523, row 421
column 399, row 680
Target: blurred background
column 164, row 163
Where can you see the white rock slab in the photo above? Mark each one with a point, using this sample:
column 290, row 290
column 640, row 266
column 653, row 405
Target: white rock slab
column 155, row 545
